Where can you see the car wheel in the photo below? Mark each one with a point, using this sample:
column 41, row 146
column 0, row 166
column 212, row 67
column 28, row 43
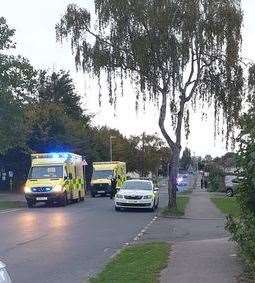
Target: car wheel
column 117, row 208
column 93, row 195
column 30, row 204
column 64, row 201
column 153, row 208
column 229, row 192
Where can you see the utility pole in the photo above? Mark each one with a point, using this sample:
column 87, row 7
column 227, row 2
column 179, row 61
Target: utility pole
column 111, row 138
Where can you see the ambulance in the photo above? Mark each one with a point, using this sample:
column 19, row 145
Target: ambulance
column 103, row 173
column 55, row 177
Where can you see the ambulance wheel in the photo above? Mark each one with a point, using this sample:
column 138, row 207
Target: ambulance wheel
column 64, row 201
column 30, row 204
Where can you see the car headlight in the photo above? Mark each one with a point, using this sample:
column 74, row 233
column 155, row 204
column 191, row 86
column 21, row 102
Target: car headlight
column 27, row 190
column 119, row 196
column 57, row 189
column 148, row 197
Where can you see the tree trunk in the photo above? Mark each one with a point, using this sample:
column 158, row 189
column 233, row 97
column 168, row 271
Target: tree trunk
column 172, row 180
column 175, row 147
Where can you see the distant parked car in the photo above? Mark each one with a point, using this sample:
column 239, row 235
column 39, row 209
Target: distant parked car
column 4, row 275
column 182, row 182
column 231, row 184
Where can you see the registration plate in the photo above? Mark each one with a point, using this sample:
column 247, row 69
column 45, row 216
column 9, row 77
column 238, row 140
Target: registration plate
column 41, row 198
column 101, row 192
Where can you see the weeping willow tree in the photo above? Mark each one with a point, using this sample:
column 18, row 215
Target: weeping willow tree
column 179, row 53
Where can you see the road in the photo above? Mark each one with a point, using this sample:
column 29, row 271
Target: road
column 46, row 245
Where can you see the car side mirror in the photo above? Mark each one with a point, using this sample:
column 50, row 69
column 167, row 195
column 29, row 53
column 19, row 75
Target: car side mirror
column 156, row 189
column 65, row 178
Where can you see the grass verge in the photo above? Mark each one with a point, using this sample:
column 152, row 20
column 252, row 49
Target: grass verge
column 136, row 264
column 228, row 206
column 11, row 204
column 182, row 202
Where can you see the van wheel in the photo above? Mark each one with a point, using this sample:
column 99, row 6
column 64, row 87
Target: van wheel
column 64, row 201
column 30, row 204
column 82, row 198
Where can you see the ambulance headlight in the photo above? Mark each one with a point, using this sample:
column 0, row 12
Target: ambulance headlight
column 57, row 189
column 27, row 190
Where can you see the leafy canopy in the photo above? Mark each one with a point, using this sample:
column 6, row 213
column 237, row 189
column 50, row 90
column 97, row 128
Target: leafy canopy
column 17, row 81
column 169, row 47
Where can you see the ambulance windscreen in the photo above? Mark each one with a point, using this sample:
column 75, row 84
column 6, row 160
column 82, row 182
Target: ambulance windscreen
column 102, row 174
column 46, row 172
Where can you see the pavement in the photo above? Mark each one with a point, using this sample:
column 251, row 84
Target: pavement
column 200, row 247
column 66, row 244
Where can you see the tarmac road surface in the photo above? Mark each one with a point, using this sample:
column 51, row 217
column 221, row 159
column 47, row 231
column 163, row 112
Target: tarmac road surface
column 65, row 244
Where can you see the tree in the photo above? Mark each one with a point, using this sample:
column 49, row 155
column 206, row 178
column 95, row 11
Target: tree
column 59, row 88
column 51, row 129
column 178, row 53
column 17, row 82
column 186, row 159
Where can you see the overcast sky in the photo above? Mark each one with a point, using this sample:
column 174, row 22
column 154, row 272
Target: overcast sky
column 34, row 22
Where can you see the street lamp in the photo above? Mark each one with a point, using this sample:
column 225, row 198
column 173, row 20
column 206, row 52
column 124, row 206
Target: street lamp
column 111, row 138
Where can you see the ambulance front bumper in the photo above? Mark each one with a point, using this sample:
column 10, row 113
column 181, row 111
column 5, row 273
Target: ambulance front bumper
column 44, row 197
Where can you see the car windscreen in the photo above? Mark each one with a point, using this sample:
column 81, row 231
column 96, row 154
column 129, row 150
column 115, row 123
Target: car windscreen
column 136, row 185
column 102, row 174
column 46, row 172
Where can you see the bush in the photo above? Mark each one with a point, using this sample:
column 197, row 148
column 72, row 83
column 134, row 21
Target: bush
column 216, row 178
column 243, row 227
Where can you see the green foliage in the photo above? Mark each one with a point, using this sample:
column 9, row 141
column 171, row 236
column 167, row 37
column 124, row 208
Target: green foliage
column 243, row 227
column 12, row 128
column 176, row 53
column 216, row 177
column 59, row 88
column 186, row 159
column 156, row 42
column 143, row 154
column 138, row 264
column 17, row 81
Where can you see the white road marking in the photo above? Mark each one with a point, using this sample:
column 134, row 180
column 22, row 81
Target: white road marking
column 10, row 210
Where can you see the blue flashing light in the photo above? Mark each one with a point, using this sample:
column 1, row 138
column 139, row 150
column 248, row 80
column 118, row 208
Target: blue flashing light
column 57, row 155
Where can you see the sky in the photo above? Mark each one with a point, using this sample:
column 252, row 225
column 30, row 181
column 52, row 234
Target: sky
column 35, row 21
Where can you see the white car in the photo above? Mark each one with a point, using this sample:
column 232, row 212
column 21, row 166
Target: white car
column 137, row 194
column 4, row 275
